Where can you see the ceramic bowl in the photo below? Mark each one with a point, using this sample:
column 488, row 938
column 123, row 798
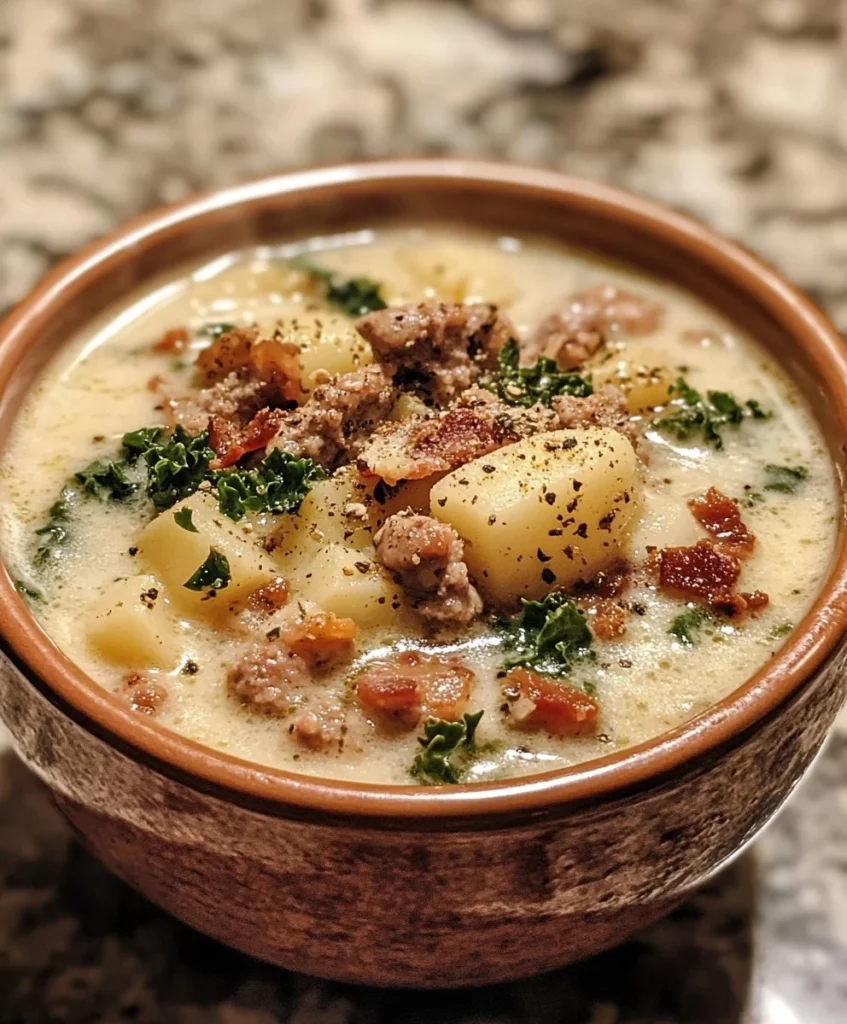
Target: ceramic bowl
column 406, row 886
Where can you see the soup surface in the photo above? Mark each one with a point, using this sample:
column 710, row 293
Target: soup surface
column 417, row 506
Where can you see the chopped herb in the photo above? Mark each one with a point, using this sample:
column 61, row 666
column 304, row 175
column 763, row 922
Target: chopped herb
column 548, row 636
column 355, row 297
column 213, row 574
column 446, row 746
column 55, row 534
column 137, row 442
column 688, row 413
column 528, row 385
column 214, row 331
column 105, row 479
column 780, row 631
column 278, row 484
column 176, row 465
column 686, row 626
column 30, row 593
column 182, row 517
column 785, row 479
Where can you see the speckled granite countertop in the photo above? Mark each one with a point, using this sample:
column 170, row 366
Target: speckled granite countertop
column 733, row 109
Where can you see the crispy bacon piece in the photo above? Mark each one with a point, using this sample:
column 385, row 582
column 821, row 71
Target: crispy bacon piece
column 405, row 686
column 701, row 571
column 719, row 515
column 321, row 638
column 145, row 696
column 418, row 448
column 606, row 618
column 231, row 442
column 174, row 340
column 155, row 382
column 734, row 605
column 539, row 703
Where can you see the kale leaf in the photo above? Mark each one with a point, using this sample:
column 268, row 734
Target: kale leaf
column 55, row 534
column 105, row 480
column 548, row 636
column 213, row 574
column 354, row 296
column 686, row 626
column 785, row 479
column 446, row 746
column 689, row 413
column 278, row 484
column 183, row 518
column 528, row 385
column 176, row 464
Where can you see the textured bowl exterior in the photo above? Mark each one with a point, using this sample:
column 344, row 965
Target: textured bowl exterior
column 402, row 885
column 454, row 906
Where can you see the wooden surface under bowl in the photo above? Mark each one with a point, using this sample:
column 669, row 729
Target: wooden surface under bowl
column 399, row 885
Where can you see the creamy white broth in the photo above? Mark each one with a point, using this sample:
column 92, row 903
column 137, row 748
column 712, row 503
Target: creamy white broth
column 645, row 682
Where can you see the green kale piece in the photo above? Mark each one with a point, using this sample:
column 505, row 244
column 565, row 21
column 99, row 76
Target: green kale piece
column 529, row 385
column 106, row 480
column 548, row 636
column 183, row 518
column 354, row 296
column 213, row 574
column 685, row 627
column 55, row 534
column 278, row 484
column 446, row 748
column 176, row 464
column 689, row 413
column 785, row 479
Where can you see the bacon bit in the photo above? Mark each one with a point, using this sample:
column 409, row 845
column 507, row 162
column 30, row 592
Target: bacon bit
column 541, row 703
column 719, row 515
column 734, row 605
column 405, row 686
column 231, row 442
column 174, row 340
column 606, row 619
column 709, row 572
column 611, row 582
column 321, row 638
column 269, row 598
column 703, row 570
column 145, row 696
column 416, row 449
column 155, row 382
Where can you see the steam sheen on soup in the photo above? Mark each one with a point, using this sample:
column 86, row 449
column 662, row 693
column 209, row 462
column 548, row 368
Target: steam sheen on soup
column 417, row 506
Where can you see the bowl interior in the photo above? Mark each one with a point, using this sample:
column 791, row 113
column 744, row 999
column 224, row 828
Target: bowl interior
column 600, row 220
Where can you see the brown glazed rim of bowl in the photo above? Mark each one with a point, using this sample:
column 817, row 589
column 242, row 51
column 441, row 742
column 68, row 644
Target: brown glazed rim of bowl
column 279, row 791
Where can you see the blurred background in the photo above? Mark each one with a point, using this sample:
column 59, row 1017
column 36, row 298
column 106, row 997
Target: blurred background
column 734, row 110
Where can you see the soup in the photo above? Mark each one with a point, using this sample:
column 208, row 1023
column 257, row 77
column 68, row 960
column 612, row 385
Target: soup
column 417, row 506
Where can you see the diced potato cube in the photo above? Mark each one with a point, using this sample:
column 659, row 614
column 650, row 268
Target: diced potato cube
column 130, row 624
column 641, row 373
column 543, row 513
column 329, row 344
column 175, row 553
column 461, row 272
column 344, row 581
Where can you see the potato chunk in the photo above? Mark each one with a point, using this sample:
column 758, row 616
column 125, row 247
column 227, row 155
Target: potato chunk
column 543, row 513
column 345, row 581
column 175, row 554
column 130, row 624
column 642, row 374
column 461, row 272
column 329, row 344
